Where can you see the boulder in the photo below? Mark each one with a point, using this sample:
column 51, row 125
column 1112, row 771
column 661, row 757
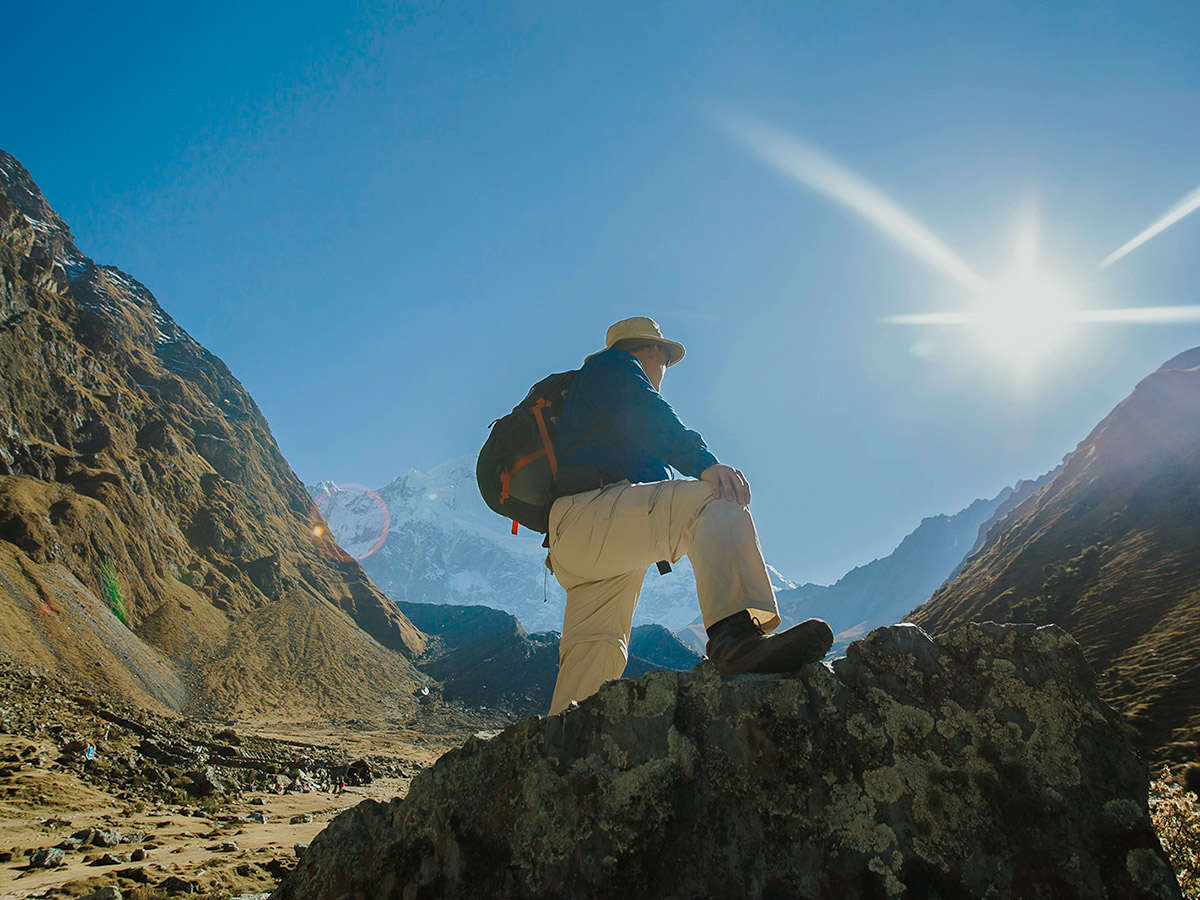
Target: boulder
column 173, row 884
column 112, row 859
column 982, row 764
column 135, row 873
column 105, row 837
column 47, row 859
column 203, row 782
column 303, row 784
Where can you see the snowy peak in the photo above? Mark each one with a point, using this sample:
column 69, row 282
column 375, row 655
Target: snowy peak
column 444, row 545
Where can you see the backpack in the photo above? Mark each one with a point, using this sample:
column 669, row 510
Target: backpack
column 517, row 465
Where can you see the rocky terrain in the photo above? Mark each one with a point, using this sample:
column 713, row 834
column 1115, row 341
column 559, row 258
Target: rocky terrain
column 99, row 793
column 1109, row 549
column 152, row 537
column 979, row 764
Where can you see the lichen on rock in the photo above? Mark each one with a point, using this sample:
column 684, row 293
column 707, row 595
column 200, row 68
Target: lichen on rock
column 980, row 764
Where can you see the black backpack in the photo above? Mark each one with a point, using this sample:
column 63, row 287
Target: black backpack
column 517, row 465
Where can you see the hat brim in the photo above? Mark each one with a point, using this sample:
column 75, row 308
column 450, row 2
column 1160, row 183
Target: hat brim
column 675, row 350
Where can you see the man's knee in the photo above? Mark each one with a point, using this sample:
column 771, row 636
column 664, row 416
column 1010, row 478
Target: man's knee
column 715, row 509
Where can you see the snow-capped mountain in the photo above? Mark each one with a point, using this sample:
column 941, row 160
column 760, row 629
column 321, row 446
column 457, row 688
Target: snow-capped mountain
column 443, row 545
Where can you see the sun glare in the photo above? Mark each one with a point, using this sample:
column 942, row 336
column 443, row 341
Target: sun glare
column 1026, row 319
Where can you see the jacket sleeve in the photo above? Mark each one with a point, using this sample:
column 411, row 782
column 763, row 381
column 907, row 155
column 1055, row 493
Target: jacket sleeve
column 641, row 413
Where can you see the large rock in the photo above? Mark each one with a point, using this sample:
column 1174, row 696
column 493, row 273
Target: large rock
column 980, row 765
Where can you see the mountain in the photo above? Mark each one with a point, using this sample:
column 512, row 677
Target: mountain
column 884, row 590
column 1110, row 550
column 153, row 540
column 444, row 545
column 482, row 657
column 1012, row 497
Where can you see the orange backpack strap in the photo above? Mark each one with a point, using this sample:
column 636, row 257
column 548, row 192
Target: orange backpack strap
column 536, row 409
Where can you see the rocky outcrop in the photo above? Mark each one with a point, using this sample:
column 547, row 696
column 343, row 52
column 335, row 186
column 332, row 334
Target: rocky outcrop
column 1108, row 549
column 152, row 536
column 981, row 764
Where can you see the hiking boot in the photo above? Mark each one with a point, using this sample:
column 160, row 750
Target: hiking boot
column 737, row 646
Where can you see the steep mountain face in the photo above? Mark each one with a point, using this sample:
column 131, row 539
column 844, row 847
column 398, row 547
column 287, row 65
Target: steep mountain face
column 152, row 537
column 1010, row 499
column 884, row 590
column 1110, row 550
column 444, row 545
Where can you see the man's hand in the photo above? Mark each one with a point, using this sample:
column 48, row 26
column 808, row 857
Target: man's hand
column 727, row 483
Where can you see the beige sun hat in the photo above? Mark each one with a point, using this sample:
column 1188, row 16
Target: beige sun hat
column 640, row 329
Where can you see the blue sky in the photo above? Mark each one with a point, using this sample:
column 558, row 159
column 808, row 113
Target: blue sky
column 390, row 219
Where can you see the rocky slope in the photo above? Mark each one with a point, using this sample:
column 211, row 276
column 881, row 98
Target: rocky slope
column 981, row 764
column 445, row 546
column 152, row 537
column 1110, row 550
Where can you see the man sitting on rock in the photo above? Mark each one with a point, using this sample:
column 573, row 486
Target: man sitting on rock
column 619, row 511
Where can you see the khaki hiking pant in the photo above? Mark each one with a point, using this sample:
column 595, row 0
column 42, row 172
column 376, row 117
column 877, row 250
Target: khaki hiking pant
column 603, row 541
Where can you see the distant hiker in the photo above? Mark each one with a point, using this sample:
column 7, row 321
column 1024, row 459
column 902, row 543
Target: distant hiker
column 619, row 511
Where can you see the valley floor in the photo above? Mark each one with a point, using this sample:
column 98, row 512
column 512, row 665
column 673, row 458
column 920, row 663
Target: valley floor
column 151, row 827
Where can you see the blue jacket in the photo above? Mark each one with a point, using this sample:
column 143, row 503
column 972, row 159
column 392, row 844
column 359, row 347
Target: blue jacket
column 642, row 437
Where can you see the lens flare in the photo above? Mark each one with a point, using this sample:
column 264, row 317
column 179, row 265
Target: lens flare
column 111, row 586
column 1022, row 320
column 807, row 165
column 1184, row 207
column 1019, row 321
column 349, row 522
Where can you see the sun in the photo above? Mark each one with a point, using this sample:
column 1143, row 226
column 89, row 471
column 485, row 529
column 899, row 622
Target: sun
column 1020, row 321
column 1027, row 318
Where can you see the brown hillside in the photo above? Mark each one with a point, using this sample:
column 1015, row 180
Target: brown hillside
column 1110, row 550
column 152, row 538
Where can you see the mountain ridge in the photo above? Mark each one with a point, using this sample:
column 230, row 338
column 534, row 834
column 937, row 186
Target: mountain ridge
column 882, row 591
column 152, row 537
column 1108, row 549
